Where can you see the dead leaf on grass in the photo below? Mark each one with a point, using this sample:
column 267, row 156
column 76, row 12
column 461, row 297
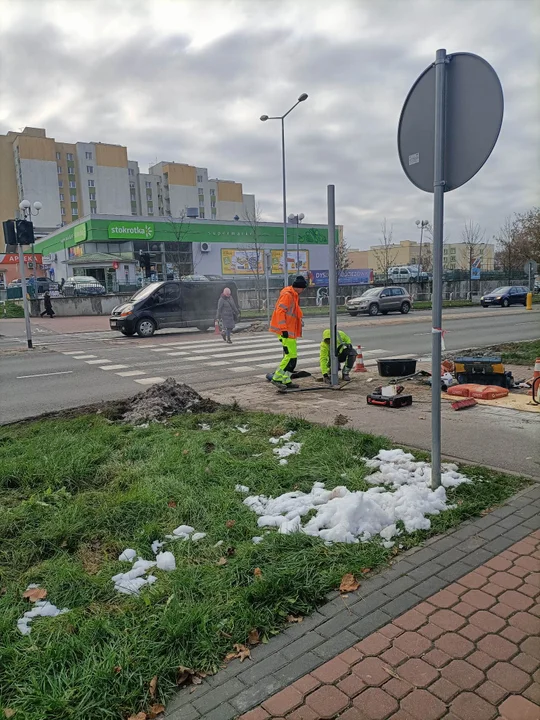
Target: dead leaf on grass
column 230, row 523
column 366, row 570
column 222, row 561
column 257, row 572
column 230, row 551
column 35, row 594
column 184, row 675
column 138, row 716
column 8, row 713
column 171, row 504
column 185, row 452
column 348, row 583
column 156, row 710
column 117, row 669
column 254, row 638
column 242, row 652
column 295, row 619
column 153, row 686
column 196, row 680
column 3, row 591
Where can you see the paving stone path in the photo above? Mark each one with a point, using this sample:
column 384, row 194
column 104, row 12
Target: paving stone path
column 450, row 632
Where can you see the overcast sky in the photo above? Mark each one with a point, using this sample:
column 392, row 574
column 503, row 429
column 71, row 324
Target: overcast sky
column 188, row 80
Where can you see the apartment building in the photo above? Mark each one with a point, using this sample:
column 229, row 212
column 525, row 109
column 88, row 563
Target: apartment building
column 73, row 180
column 457, row 256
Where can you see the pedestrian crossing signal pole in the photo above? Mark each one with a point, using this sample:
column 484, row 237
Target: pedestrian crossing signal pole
column 332, row 284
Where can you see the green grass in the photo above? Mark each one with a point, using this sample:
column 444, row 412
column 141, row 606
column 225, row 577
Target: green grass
column 10, row 309
column 519, row 353
column 75, row 493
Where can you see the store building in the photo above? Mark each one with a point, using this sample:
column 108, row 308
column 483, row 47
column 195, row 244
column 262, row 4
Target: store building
column 108, row 248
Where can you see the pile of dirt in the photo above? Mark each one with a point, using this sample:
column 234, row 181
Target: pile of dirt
column 256, row 327
column 163, row 400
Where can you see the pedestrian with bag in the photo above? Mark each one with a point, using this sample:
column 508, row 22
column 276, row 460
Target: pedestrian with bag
column 346, row 354
column 286, row 322
column 227, row 314
column 48, row 305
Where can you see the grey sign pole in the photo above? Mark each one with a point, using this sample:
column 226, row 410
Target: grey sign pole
column 267, row 267
column 332, row 284
column 438, row 221
column 25, row 299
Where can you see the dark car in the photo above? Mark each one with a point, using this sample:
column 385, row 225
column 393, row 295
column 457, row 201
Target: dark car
column 83, row 285
column 383, row 300
column 506, row 296
column 171, row 304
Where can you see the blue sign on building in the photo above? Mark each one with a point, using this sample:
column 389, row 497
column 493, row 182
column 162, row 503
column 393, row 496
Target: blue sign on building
column 319, row 278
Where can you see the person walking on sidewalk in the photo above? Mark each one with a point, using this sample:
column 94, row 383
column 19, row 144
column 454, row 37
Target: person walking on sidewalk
column 227, row 314
column 48, row 306
column 287, row 324
column 346, row 354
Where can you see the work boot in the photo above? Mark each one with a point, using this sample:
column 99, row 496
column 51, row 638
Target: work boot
column 345, row 375
column 285, row 386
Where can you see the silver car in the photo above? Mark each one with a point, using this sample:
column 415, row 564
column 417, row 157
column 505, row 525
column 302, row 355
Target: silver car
column 380, row 300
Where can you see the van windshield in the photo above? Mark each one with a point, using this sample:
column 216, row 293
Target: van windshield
column 145, row 292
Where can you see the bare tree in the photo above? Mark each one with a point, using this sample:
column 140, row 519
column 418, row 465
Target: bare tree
column 254, row 251
column 343, row 260
column 511, row 255
column 177, row 255
column 386, row 253
column 473, row 237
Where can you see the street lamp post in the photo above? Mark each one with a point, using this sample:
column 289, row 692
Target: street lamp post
column 26, row 209
column 297, row 219
column 264, row 118
column 421, row 224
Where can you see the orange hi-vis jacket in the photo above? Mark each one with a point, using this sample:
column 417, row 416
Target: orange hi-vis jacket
column 287, row 314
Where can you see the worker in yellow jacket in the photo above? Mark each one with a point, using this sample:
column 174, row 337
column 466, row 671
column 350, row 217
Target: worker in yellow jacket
column 346, row 354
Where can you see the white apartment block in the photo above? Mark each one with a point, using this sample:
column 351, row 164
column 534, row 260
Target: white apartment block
column 73, row 180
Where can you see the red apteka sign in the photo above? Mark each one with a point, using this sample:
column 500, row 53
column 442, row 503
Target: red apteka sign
column 13, row 259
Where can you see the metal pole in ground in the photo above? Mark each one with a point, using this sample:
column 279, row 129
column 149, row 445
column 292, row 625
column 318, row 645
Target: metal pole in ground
column 25, row 299
column 267, row 267
column 284, row 180
column 332, row 284
column 438, row 221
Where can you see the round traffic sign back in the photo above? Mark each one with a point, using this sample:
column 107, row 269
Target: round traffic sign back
column 474, row 113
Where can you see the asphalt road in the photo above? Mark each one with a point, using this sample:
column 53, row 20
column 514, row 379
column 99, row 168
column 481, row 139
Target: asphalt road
column 67, row 370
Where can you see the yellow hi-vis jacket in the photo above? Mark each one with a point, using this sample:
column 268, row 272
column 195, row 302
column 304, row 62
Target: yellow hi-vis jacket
column 324, row 357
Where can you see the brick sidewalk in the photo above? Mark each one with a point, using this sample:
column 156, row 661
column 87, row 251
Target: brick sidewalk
column 488, row 567
column 469, row 652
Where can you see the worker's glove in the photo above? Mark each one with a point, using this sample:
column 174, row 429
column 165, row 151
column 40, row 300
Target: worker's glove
column 285, row 334
column 326, row 379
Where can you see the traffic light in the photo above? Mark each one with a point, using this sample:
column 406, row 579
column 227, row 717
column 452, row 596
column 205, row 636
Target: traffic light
column 9, row 232
column 25, row 232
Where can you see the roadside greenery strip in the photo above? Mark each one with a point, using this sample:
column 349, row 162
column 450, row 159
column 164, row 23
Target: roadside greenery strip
column 75, row 493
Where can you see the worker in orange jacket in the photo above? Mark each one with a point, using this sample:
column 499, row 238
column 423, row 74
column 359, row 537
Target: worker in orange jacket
column 287, row 323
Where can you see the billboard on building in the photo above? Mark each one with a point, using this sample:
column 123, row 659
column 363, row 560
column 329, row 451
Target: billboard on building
column 241, row 262
column 346, row 277
column 297, row 262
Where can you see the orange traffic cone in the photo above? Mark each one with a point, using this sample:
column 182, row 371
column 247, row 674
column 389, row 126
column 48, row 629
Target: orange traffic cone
column 217, row 331
column 536, row 373
column 359, row 364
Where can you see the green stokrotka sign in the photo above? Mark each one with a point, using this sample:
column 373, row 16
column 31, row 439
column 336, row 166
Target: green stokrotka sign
column 131, row 230
column 80, row 232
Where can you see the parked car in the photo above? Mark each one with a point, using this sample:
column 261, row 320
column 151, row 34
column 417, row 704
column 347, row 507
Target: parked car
column 383, row 300
column 505, row 296
column 82, row 285
column 406, row 273
column 171, row 304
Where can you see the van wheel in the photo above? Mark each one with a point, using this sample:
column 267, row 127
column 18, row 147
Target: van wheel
column 146, row 327
column 373, row 309
column 129, row 333
column 203, row 328
column 405, row 308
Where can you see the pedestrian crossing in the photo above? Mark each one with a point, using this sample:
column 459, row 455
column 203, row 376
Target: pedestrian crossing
column 246, row 355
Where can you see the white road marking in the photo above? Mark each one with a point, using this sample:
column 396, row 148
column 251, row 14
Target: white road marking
column 130, row 373
column 84, row 357
column 73, row 352
column 61, row 372
column 161, row 349
column 150, row 381
column 180, row 352
column 114, row 367
column 241, row 368
column 97, row 362
column 217, row 364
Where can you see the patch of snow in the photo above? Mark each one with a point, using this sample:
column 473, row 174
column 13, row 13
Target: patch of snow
column 242, row 489
column 401, row 492
column 144, row 565
column 198, row 536
column 43, row 608
column 128, row 555
column 156, row 545
column 242, row 428
column 183, row 530
column 219, row 543
column 256, row 540
column 204, row 426
column 166, row 561
column 282, row 438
